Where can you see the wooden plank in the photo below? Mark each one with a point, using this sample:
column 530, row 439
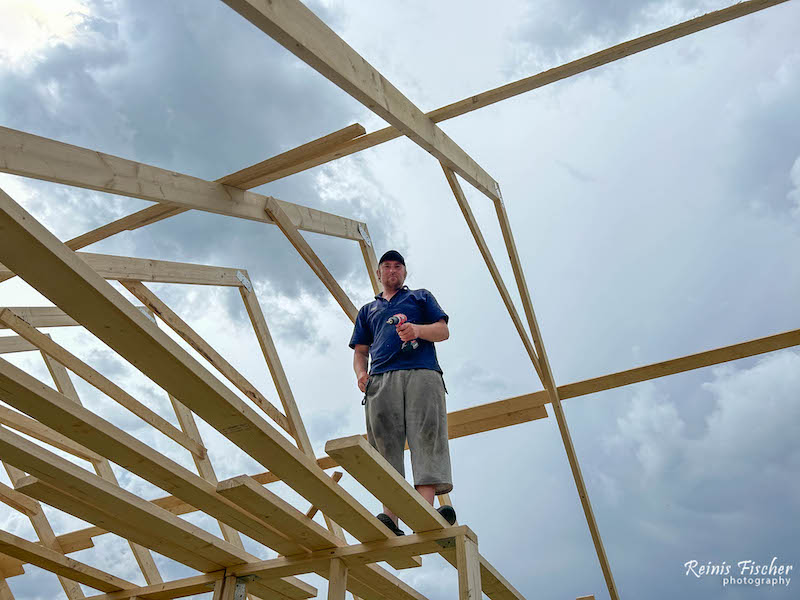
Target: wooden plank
column 128, row 515
column 32, row 427
column 10, row 567
column 285, row 224
column 301, row 32
column 527, row 407
column 179, row 326
column 52, row 408
column 383, row 481
column 147, row 216
column 527, row 84
column 161, row 271
column 41, row 158
column 57, row 563
column 370, row 260
column 44, row 531
column 475, row 229
column 102, row 468
column 71, row 284
column 14, row 343
column 272, row 509
column 177, row 588
column 358, row 555
column 259, row 174
column 43, row 316
column 19, row 502
column 99, row 381
column 5, row 591
column 315, row 509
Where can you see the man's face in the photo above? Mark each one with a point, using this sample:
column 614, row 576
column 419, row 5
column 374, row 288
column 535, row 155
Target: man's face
column 392, row 274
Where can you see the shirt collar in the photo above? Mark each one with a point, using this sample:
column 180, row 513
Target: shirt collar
column 402, row 289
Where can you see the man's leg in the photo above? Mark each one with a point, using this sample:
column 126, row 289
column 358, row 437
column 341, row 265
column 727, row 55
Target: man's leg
column 426, row 429
column 427, row 492
column 386, row 431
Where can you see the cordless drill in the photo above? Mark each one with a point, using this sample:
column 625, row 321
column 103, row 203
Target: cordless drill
column 399, row 319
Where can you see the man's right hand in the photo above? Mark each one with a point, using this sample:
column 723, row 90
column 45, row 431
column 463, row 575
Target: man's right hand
column 362, row 382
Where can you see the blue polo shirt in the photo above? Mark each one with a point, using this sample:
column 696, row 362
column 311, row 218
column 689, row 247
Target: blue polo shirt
column 371, row 329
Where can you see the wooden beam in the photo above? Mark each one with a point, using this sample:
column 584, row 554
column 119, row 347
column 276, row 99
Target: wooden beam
column 469, row 571
column 178, row 588
column 44, row 531
column 43, row 316
column 19, row 502
column 102, row 468
column 272, row 509
column 187, row 334
column 301, row 32
column 475, row 229
column 337, row 580
column 285, row 224
column 383, row 481
column 372, row 471
column 14, row 343
column 88, row 497
column 146, row 216
column 264, row 171
column 312, row 511
column 160, row 271
column 99, row 381
column 358, row 555
column 510, row 90
column 32, row 427
column 528, row 407
column 71, row 284
column 57, row 563
column 370, row 260
column 52, row 408
column 41, row 158
column 549, row 383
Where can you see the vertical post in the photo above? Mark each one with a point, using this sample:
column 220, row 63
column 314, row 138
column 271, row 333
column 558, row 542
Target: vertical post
column 468, row 563
column 337, row 579
column 225, row 588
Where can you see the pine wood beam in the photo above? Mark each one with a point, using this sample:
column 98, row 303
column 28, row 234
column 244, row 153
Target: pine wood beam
column 57, row 563
column 99, row 381
column 49, row 160
column 52, row 408
column 301, row 32
column 270, row 169
column 191, row 337
column 527, row 84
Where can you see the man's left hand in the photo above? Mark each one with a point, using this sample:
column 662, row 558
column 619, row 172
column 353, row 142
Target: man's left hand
column 407, row 331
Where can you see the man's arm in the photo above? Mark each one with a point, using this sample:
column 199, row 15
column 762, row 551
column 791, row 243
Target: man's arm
column 435, row 332
column 360, row 362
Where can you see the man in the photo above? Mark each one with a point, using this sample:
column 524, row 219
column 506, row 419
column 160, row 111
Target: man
column 404, row 392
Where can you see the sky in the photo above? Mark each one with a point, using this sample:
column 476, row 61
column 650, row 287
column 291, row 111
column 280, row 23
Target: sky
column 656, row 207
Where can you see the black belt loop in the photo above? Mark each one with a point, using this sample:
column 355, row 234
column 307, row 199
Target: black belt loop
column 366, row 391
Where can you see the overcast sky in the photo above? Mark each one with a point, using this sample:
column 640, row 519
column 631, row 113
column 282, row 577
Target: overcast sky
column 656, row 206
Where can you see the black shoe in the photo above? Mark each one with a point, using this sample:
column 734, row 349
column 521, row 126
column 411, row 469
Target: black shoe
column 387, row 520
column 448, row 513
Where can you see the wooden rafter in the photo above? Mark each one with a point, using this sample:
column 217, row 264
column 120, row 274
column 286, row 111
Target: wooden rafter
column 301, row 32
column 533, row 82
column 41, row 158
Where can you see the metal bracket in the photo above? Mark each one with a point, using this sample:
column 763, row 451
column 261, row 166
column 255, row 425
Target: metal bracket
column 240, row 591
column 364, row 235
column 244, row 281
column 447, row 542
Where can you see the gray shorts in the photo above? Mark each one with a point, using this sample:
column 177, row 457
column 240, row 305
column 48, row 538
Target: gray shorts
column 410, row 404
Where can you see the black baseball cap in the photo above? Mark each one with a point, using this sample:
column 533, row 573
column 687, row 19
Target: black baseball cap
column 393, row 255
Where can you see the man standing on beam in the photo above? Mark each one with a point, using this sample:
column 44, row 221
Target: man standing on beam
column 404, row 391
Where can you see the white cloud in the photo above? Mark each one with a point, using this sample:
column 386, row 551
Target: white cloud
column 30, row 26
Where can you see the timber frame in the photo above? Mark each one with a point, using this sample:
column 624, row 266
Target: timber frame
column 77, row 283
